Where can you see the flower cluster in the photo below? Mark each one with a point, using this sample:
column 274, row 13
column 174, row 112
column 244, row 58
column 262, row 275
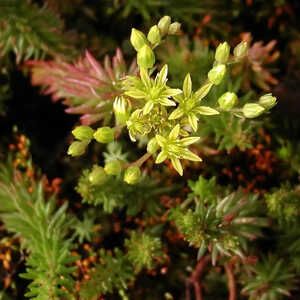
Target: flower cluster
column 167, row 118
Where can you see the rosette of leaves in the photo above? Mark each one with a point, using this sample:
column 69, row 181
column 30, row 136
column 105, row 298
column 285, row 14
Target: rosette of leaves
column 255, row 67
column 113, row 272
column 271, row 279
column 289, row 244
column 221, row 225
column 143, row 250
column 30, row 31
column 283, row 204
column 86, row 87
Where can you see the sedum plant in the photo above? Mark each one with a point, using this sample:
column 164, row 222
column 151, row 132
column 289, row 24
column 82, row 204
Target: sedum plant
column 167, row 117
column 185, row 105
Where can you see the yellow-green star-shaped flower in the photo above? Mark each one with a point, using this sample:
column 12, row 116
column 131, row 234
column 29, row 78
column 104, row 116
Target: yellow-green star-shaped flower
column 189, row 103
column 152, row 91
column 175, row 149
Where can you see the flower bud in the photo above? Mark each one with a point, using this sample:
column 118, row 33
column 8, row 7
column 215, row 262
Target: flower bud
column 132, row 175
column 113, row 167
column 227, row 101
column 97, row 176
column 137, row 39
column 104, row 135
column 216, row 74
column 145, row 57
column 77, row 148
column 222, row 53
column 83, row 133
column 122, row 109
column 152, row 146
column 174, row 28
column 267, row 101
column 252, row 110
column 154, row 35
column 164, row 24
column 240, row 49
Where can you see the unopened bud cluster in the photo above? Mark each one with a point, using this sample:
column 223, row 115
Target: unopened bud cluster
column 144, row 45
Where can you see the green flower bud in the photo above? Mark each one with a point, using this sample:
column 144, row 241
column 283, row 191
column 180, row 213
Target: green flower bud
column 145, row 57
column 122, row 109
column 227, row 101
column 152, row 146
column 216, row 74
column 174, row 28
column 113, row 167
column 104, row 135
column 77, row 148
column 222, row 53
column 267, row 101
column 97, row 176
column 252, row 110
column 240, row 49
column 154, row 35
column 132, row 175
column 137, row 39
column 83, row 133
column 164, row 24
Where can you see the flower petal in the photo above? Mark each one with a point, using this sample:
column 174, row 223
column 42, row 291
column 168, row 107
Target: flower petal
column 177, row 113
column 161, row 140
column 189, row 140
column 206, row 110
column 161, row 77
column 171, row 92
column 203, row 91
column 136, row 94
column 177, row 165
column 174, row 132
column 187, row 85
column 145, row 77
column 193, row 121
column 187, row 154
column 166, row 102
column 148, row 107
column 161, row 157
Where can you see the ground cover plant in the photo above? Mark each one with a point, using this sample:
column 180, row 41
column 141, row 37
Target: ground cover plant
column 149, row 150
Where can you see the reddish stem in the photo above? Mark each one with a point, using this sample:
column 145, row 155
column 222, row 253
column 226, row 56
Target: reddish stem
column 195, row 277
column 231, row 281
